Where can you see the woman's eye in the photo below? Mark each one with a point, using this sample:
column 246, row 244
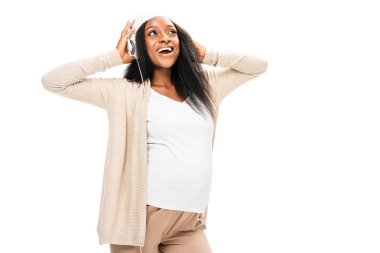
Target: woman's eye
column 154, row 32
column 151, row 32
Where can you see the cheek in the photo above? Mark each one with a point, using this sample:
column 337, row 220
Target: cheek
column 179, row 47
column 150, row 49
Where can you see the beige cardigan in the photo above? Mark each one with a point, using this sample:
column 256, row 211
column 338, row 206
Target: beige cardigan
column 122, row 214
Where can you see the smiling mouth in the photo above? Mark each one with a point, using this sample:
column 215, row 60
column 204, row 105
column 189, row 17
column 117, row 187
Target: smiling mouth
column 165, row 50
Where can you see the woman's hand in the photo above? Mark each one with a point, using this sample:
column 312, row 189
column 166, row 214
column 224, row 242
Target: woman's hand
column 122, row 43
column 201, row 50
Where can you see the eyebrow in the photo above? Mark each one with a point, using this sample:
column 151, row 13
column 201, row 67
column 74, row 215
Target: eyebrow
column 156, row 26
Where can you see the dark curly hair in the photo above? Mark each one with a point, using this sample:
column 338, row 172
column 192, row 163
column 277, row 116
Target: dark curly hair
column 188, row 76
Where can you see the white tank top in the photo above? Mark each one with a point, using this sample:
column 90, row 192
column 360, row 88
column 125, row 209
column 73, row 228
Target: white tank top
column 179, row 155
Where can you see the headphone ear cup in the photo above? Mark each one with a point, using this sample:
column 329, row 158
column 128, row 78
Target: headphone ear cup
column 131, row 46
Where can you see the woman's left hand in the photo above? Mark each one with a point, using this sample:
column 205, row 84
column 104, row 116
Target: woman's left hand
column 201, row 50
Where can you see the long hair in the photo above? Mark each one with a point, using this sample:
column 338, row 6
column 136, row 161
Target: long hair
column 188, row 76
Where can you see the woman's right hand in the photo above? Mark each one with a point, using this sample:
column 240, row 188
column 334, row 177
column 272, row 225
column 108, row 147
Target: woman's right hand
column 122, row 43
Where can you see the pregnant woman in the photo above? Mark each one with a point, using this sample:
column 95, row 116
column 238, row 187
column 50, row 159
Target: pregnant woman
column 162, row 119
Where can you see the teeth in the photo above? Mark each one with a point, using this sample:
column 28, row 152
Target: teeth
column 164, row 48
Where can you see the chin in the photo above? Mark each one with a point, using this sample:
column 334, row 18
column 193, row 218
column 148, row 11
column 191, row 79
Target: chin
column 161, row 62
column 164, row 65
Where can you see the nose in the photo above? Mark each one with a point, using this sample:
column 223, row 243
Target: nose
column 164, row 38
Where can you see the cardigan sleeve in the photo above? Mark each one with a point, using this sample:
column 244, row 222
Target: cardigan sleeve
column 71, row 79
column 234, row 69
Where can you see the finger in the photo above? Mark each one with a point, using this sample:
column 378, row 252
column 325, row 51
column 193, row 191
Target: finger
column 127, row 26
column 128, row 35
column 130, row 32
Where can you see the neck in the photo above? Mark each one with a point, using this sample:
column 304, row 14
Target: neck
column 162, row 77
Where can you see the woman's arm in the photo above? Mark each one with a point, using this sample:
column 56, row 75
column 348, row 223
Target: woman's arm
column 235, row 69
column 70, row 79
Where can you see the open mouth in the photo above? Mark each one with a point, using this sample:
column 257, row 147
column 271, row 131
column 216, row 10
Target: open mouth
column 165, row 50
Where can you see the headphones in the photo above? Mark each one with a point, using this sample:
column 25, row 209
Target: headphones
column 131, row 45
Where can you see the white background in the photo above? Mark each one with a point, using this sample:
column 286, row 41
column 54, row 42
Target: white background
column 296, row 155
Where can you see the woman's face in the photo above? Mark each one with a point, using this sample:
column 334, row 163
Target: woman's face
column 162, row 42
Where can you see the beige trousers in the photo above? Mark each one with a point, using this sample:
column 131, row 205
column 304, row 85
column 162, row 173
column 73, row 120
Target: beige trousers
column 170, row 231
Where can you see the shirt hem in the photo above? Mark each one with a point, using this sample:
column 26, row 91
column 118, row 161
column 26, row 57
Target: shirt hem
column 174, row 208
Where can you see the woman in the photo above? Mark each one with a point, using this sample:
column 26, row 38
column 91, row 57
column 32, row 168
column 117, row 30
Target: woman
column 162, row 120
